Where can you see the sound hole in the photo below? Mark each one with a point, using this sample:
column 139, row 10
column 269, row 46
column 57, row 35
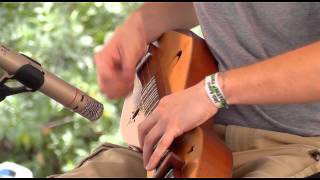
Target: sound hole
column 135, row 113
column 191, row 149
column 179, row 54
column 176, row 58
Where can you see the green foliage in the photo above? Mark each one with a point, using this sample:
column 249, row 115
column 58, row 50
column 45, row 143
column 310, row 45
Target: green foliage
column 63, row 38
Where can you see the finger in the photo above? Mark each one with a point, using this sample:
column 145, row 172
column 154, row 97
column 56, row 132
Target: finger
column 106, row 60
column 161, row 148
column 131, row 54
column 146, row 125
column 110, row 80
column 104, row 68
column 128, row 65
column 150, row 141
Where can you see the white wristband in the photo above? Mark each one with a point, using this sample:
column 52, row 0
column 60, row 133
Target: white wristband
column 214, row 91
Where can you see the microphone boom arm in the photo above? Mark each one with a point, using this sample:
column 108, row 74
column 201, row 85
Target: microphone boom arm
column 30, row 77
column 34, row 77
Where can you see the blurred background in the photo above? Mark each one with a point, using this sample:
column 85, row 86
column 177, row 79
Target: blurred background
column 35, row 131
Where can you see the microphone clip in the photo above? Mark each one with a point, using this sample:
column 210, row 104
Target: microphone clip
column 32, row 79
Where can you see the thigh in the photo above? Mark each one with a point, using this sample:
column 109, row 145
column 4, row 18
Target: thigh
column 109, row 160
column 281, row 161
column 262, row 153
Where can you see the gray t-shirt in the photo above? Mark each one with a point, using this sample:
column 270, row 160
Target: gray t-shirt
column 240, row 34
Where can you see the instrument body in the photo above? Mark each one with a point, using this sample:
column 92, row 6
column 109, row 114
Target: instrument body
column 181, row 61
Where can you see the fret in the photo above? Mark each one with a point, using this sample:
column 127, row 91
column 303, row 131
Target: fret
column 149, row 96
column 149, row 83
column 152, row 103
column 147, row 100
column 153, row 106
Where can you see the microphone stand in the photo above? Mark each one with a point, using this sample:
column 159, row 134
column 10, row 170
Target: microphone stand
column 30, row 77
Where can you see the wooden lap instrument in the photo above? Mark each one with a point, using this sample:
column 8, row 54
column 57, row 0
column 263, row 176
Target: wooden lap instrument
column 180, row 60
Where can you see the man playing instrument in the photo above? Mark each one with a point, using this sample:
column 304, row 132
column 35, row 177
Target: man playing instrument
column 269, row 63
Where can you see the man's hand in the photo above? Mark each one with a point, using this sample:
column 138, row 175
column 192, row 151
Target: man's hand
column 116, row 63
column 117, row 60
column 175, row 114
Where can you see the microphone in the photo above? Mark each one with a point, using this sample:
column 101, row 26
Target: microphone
column 30, row 73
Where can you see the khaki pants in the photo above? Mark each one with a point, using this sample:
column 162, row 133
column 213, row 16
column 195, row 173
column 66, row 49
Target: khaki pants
column 256, row 153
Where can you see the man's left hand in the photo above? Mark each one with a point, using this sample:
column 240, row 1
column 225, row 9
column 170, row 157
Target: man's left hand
column 175, row 114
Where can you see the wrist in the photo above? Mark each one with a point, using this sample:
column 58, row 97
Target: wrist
column 147, row 23
column 207, row 103
column 135, row 21
column 221, row 79
column 213, row 86
column 132, row 32
column 157, row 18
column 224, row 80
column 134, row 24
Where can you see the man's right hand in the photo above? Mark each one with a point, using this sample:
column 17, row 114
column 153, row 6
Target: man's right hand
column 117, row 60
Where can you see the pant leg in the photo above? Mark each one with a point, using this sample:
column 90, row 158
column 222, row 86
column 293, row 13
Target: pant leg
column 256, row 153
column 109, row 160
column 262, row 153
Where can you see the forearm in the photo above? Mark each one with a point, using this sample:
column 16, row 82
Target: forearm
column 153, row 19
column 293, row 77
